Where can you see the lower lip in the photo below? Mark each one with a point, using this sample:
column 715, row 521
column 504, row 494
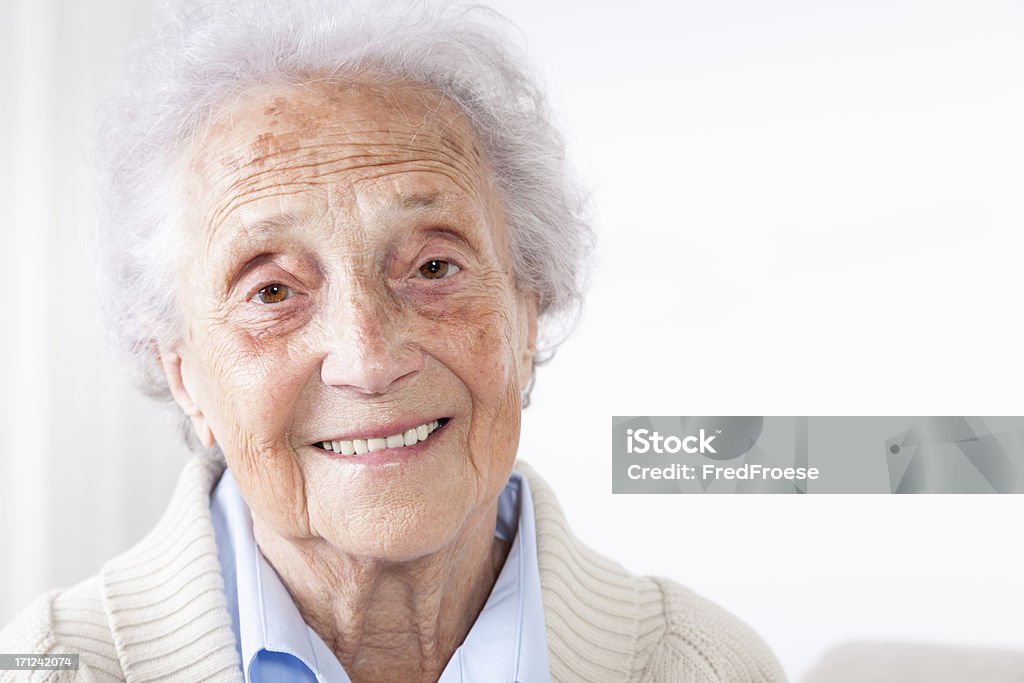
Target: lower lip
column 386, row 456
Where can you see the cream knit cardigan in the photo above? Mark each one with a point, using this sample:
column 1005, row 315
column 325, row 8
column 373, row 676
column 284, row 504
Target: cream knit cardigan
column 158, row 613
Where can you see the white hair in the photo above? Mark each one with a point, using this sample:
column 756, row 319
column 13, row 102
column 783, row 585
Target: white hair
column 202, row 57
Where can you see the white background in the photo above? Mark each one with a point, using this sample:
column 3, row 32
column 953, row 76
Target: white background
column 803, row 208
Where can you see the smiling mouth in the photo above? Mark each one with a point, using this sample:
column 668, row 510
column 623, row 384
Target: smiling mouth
column 410, row 437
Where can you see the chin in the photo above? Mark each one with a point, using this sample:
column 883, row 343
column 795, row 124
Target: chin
column 397, row 531
column 400, row 547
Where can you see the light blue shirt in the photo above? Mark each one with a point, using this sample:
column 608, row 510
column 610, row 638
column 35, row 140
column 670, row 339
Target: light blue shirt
column 507, row 643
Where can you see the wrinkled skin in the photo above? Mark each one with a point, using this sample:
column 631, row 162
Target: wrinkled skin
column 334, row 197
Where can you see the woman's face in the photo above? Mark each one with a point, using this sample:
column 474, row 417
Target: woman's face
column 346, row 278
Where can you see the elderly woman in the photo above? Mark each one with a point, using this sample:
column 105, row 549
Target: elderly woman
column 334, row 237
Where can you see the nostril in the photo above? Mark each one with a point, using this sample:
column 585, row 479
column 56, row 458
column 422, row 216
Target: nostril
column 370, row 373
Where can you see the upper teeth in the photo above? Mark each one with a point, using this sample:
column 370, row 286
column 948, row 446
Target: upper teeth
column 409, row 437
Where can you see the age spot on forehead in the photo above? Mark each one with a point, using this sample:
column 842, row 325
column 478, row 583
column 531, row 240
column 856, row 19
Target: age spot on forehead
column 309, row 112
column 275, row 107
column 266, row 146
column 329, row 133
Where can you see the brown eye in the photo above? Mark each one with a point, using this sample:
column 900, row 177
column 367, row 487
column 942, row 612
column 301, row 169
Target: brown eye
column 436, row 269
column 273, row 294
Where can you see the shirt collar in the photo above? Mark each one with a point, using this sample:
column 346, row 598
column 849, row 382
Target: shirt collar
column 267, row 617
column 507, row 642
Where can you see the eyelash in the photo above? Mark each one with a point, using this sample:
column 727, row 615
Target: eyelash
column 255, row 297
column 448, row 266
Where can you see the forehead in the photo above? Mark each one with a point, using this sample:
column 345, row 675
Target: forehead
column 355, row 143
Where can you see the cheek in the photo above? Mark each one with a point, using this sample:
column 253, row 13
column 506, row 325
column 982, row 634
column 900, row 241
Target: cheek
column 253, row 385
column 479, row 346
column 474, row 331
column 482, row 351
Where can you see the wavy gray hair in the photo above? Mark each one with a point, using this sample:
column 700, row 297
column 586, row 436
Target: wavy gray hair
column 204, row 57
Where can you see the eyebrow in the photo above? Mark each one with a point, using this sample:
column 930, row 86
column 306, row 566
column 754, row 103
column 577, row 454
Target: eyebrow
column 262, row 227
column 259, row 229
column 439, row 202
column 422, row 200
column 270, row 225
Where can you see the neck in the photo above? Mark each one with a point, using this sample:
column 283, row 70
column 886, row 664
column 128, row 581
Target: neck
column 387, row 620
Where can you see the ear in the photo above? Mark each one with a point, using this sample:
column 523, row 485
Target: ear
column 173, row 366
column 528, row 330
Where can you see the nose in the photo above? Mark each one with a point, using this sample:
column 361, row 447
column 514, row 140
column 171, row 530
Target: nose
column 367, row 348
